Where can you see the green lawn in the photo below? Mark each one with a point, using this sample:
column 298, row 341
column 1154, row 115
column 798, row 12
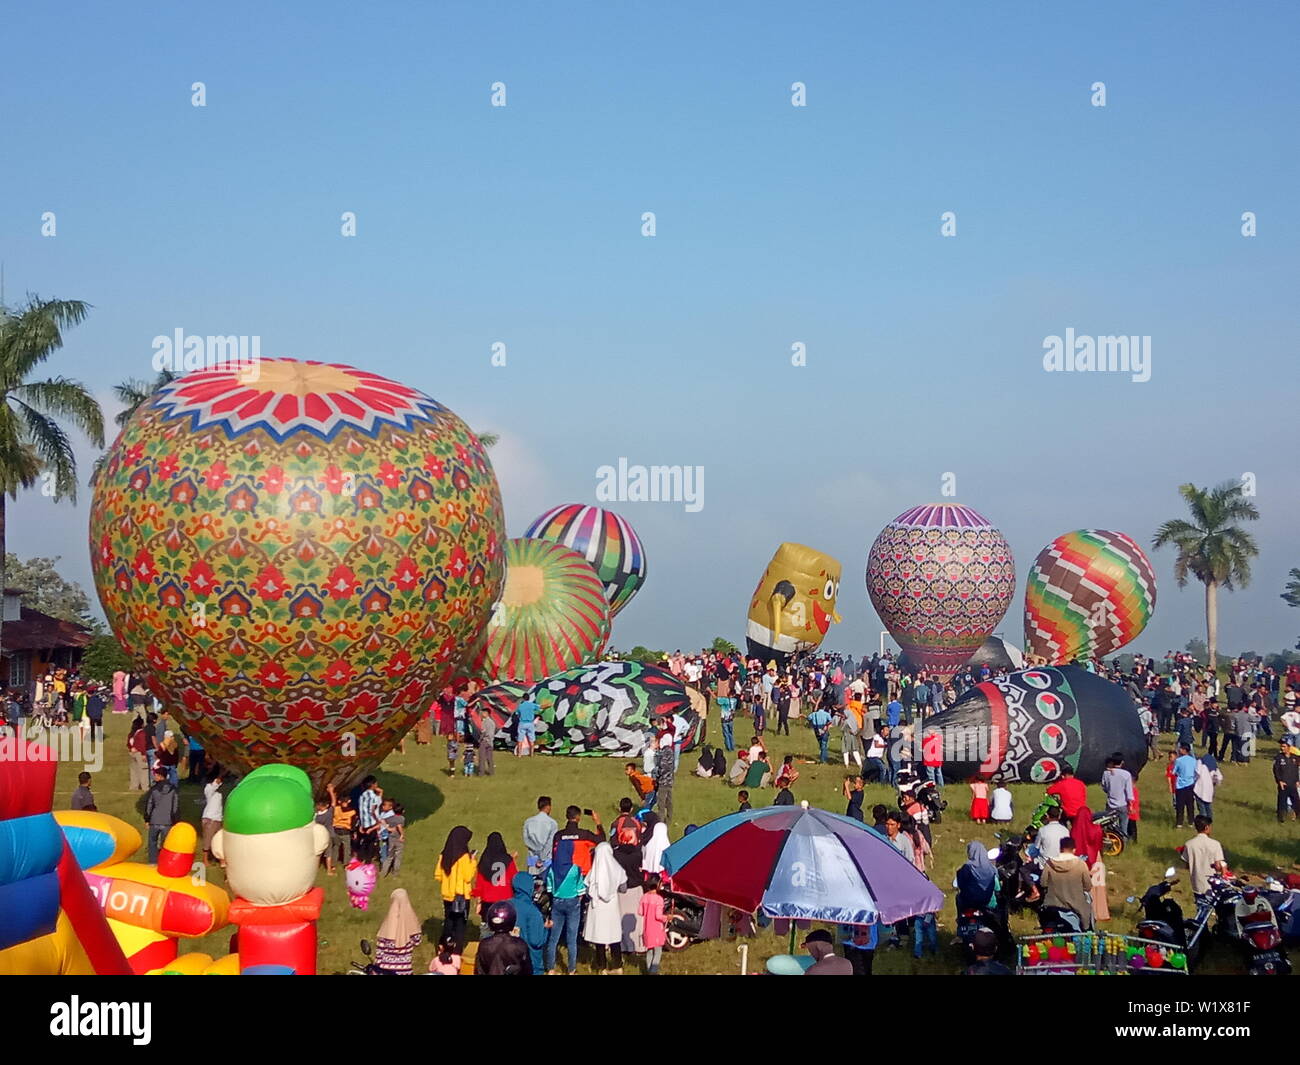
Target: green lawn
column 434, row 802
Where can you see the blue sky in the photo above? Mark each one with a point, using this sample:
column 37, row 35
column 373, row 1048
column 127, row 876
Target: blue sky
column 775, row 225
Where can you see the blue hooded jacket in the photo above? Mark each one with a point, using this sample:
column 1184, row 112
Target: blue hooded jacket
column 529, row 919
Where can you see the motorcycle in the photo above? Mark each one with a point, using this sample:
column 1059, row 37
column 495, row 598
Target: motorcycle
column 1058, row 921
column 1286, row 904
column 1112, row 839
column 366, row 968
column 1258, row 933
column 1163, row 921
column 685, row 915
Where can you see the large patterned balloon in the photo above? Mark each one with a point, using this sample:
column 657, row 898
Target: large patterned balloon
column 1089, row 593
column 607, row 541
column 552, row 615
column 296, row 562
column 1028, row 725
column 613, row 708
column 941, row 578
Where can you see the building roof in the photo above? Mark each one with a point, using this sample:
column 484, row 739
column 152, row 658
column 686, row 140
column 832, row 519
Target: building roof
column 35, row 631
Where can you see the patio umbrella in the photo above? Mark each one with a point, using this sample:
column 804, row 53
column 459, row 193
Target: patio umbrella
column 800, row 863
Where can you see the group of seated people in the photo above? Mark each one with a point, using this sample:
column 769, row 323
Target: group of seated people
column 751, row 769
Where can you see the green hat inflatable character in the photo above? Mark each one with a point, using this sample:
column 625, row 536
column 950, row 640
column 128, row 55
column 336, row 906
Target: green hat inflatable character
column 270, row 841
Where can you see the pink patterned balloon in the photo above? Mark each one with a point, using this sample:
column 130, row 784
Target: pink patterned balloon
column 941, row 578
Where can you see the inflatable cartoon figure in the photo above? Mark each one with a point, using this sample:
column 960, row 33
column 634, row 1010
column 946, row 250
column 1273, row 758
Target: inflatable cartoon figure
column 361, row 877
column 50, row 923
column 271, row 845
column 794, row 603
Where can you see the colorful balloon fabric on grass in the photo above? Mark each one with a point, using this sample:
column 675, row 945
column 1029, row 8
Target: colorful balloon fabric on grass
column 296, row 555
column 604, row 539
column 1089, row 593
column 552, row 615
column 1026, row 726
column 612, row 708
column 498, row 701
column 941, row 578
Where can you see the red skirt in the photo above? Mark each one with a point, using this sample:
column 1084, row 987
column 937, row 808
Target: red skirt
column 979, row 809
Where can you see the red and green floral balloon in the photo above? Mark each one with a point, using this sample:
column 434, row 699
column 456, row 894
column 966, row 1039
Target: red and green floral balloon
column 296, row 557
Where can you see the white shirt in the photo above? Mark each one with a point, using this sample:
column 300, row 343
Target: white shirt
column 1291, row 719
column 1049, row 839
column 213, row 801
column 1001, row 810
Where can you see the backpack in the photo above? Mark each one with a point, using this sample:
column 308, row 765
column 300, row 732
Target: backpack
column 627, row 831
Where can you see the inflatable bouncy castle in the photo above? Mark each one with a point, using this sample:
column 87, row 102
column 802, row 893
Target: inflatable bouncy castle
column 50, row 922
column 149, row 908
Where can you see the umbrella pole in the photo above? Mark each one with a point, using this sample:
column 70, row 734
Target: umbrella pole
column 792, row 936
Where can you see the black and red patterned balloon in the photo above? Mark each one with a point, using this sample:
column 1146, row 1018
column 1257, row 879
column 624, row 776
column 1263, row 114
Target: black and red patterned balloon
column 1025, row 726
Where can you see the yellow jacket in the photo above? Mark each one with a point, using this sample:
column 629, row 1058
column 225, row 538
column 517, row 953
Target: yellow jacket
column 460, row 881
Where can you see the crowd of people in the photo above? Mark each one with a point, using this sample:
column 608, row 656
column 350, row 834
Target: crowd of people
column 580, row 883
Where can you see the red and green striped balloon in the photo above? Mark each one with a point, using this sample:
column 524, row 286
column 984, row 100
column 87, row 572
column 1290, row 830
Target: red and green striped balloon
column 552, row 615
column 605, row 539
column 1089, row 593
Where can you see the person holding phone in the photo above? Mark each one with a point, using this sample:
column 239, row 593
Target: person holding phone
column 571, row 856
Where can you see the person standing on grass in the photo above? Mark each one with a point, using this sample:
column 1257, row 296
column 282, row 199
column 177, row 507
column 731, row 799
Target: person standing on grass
column 820, row 723
column 1184, row 784
column 398, row 936
column 344, row 821
column 539, row 835
column 1286, row 773
column 525, row 727
column 654, row 933
column 162, row 809
column 1117, row 783
column 1204, row 856
column 665, row 770
column 455, row 874
column 95, row 703
column 84, row 799
column 571, row 855
column 137, row 750
column 213, row 814
column 487, row 737
column 1208, row 777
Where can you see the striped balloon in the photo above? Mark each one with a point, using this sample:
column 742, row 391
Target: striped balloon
column 606, row 540
column 552, row 615
column 1089, row 593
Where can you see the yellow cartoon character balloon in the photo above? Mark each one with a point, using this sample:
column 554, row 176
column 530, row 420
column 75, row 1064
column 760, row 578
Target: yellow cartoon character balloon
column 794, row 603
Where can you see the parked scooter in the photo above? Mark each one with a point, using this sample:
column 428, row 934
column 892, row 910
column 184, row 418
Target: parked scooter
column 1164, row 922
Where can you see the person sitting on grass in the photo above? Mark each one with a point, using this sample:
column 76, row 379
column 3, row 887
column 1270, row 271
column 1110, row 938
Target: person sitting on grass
column 742, row 796
column 759, row 774
column 738, row 770
column 787, row 774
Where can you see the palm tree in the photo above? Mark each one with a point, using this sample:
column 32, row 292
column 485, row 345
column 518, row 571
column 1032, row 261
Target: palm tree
column 1292, row 593
column 32, row 442
column 1212, row 547
column 131, row 394
column 489, row 439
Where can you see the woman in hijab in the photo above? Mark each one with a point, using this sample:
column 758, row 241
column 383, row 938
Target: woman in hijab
column 496, row 874
column 1087, row 836
column 719, row 764
column 976, row 879
column 652, row 855
column 398, row 936
column 704, row 764
column 604, row 924
column 455, row 872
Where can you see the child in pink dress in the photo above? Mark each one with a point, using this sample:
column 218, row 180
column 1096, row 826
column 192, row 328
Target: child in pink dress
column 655, row 934
column 979, row 803
column 446, row 962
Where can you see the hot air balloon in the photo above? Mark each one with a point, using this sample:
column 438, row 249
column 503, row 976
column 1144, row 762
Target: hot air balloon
column 498, row 701
column 941, row 578
column 1089, row 593
column 552, row 614
column 604, row 539
column 296, row 558
column 612, row 708
column 1025, row 726
column 794, row 603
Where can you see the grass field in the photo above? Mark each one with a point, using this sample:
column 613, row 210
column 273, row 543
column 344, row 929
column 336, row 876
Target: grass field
column 1244, row 822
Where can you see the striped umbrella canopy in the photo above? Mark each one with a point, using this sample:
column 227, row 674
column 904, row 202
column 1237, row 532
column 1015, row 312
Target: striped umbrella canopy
column 801, row 863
